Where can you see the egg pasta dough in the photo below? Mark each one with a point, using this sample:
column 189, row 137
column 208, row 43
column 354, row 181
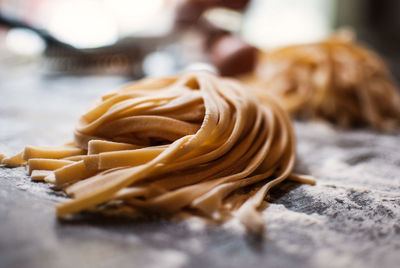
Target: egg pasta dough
column 195, row 144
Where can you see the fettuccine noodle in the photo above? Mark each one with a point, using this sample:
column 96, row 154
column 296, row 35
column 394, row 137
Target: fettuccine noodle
column 336, row 79
column 191, row 143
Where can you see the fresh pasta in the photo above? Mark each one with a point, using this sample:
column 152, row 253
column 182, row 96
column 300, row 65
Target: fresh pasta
column 194, row 143
column 336, row 79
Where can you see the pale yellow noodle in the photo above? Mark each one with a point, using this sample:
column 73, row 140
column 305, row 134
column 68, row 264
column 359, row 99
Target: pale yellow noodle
column 336, row 79
column 168, row 145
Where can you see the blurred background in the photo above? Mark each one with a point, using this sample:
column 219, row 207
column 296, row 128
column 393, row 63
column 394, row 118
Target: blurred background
column 133, row 38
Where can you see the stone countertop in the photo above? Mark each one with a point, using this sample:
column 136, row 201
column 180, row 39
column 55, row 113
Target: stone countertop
column 351, row 218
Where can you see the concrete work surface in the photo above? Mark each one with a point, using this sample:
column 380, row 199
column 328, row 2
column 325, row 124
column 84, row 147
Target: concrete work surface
column 351, row 218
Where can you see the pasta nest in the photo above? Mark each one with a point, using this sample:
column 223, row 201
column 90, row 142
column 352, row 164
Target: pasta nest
column 336, row 79
column 194, row 144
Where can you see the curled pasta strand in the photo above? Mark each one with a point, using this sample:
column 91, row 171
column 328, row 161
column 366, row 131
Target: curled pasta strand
column 189, row 144
column 336, row 79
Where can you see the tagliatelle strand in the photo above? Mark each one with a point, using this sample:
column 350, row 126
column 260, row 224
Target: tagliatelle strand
column 170, row 145
column 336, row 79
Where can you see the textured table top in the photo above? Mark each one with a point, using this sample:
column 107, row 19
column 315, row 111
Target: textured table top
column 351, row 218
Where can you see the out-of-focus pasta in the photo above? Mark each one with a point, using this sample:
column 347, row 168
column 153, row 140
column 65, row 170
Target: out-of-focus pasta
column 336, row 79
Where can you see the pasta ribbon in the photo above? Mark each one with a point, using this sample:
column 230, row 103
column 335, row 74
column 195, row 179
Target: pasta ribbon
column 336, row 79
column 195, row 143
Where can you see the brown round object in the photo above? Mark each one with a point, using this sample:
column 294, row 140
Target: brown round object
column 233, row 4
column 232, row 56
column 211, row 32
column 189, row 11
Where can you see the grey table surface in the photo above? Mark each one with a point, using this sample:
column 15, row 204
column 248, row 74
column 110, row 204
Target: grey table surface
column 349, row 219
